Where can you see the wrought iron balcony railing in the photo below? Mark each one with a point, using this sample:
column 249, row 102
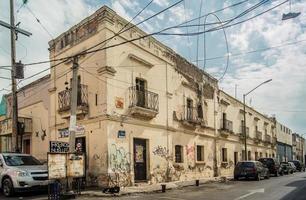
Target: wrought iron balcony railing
column 268, row 138
column 191, row 114
column 258, row 135
column 242, row 131
column 64, row 98
column 226, row 125
column 143, row 98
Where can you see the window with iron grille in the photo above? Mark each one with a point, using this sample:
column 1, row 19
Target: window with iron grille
column 178, row 153
column 200, row 153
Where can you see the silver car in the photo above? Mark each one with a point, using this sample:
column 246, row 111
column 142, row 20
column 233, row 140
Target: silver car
column 20, row 172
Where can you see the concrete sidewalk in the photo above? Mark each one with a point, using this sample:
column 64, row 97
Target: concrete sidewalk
column 147, row 188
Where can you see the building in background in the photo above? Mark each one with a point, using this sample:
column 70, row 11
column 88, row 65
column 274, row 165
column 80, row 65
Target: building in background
column 298, row 145
column 284, row 142
column 33, row 118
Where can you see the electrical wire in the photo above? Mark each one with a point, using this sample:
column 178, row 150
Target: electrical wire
column 45, row 29
column 69, row 57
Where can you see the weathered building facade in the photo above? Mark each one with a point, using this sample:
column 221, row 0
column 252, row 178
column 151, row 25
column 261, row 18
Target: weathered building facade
column 284, row 142
column 143, row 112
column 33, row 118
column 298, row 144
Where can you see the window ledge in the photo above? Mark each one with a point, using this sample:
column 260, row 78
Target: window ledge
column 200, row 163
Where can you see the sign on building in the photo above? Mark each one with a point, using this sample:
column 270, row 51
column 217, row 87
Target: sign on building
column 58, row 147
column 63, row 165
column 57, row 165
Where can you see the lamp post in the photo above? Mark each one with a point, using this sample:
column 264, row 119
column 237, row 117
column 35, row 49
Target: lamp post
column 244, row 117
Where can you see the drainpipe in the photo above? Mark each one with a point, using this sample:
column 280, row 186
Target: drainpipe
column 167, row 120
column 215, row 139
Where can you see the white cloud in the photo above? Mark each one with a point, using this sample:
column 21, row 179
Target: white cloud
column 161, row 3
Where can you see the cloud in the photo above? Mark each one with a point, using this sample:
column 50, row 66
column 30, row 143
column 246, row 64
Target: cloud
column 161, row 3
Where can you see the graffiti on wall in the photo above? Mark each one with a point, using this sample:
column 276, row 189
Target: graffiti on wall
column 190, row 152
column 120, row 165
column 162, row 152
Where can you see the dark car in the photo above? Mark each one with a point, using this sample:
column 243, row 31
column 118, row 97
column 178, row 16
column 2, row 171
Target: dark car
column 273, row 165
column 251, row 169
column 287, row 168
column 299, row 165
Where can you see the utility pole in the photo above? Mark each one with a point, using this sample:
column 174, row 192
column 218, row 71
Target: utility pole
column 73, row 104
column 14, row 86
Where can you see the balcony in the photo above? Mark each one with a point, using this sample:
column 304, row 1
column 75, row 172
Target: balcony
column 143, row 103
column 64, row 100
column 267, row 139
column 6, row 126
column 191, row 116
column 241, row 134
column 226, row 127
column 258, row 137
column 274, row 142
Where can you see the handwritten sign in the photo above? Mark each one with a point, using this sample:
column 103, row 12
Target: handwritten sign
column 59, row 147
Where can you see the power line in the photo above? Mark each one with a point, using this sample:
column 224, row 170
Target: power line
column 32, row 13
column 219, row 10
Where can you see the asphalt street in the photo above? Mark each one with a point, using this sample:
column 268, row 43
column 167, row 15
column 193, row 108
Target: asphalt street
column 289, row 187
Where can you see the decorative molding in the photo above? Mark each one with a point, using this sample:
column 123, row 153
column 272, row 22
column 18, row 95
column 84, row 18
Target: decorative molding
column 222, row 101
column 106, row 70
column 140, row 60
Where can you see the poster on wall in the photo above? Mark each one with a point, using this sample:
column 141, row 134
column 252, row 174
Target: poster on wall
column 75, row 165
column 139, row 154
column 57, row 166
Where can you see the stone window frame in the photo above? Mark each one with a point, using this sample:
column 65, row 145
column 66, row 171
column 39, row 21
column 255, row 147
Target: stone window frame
column 178, row 153
column 224, row 156
column 202, row 152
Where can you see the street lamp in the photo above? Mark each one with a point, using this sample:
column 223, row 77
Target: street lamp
column 244, row 117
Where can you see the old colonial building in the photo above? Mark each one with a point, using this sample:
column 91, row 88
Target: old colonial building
column 298, row 143
column 33, row 117
column 143, row 112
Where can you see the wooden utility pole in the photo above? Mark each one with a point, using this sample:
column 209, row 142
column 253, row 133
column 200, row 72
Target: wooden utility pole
column 73, row 104
column 14, row 86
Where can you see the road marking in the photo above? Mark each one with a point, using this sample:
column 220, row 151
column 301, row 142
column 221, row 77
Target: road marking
column 173, row 198
column 251, row 192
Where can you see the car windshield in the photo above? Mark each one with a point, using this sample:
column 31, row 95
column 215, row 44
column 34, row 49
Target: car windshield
column 266, row 161
column 20, row 160
column 245, row 164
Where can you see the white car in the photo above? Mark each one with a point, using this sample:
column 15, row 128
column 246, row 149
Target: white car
column 20, row 172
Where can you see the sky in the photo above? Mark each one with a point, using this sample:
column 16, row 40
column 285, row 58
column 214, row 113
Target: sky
column 284, row 97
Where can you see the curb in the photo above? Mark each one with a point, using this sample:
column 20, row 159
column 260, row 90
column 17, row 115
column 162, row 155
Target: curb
column 155, row 188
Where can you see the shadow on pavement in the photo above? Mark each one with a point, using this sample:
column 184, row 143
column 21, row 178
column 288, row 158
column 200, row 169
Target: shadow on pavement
column 299, row 193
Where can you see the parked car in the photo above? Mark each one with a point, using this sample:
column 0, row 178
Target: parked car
column 273, row 166
column 19, row 172
column 299, row 165
column 287, row 167
column 293, row 166
column 251, row 169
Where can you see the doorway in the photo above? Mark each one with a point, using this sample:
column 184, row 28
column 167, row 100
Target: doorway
column 235, row 157
column 27, row 146
column 141, row 92
column 140, row 159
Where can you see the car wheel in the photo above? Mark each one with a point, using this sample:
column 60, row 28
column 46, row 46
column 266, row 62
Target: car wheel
column 236, row 178
column 276, row 174
column 258, row 177
column 268, row 175
column 7, row 187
